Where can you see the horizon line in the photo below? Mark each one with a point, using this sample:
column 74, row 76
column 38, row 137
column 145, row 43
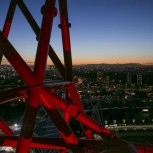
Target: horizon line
column 51, row 64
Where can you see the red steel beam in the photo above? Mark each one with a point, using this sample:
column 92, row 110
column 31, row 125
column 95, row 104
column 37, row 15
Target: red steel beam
column 8, row 21
column 5, row 128
column 75, row 112
column 26, row 75
column 75, row 97
column 64, row 26
column 77, row 102
column 28, row 123
column 11, row 95
column 14, row 94
column 29, row 79
column 59, row 144
column 36, row 142
column 39, row 70
column 48, row 11
column 54, row 143
column 16, row 61
column 144, row 148
column 36, row 30
column 62, row 127
column 38, row 92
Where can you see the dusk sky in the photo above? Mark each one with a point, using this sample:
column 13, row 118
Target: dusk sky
column 103, row 31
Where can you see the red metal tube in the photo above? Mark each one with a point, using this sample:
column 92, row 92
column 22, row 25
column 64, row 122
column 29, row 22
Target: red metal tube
column 16, row 61
column 36, row 30
column 36, row 142
column 54, row 143
column 8, row 22
column 39, row 71
column 75, row 97
column 62, row 127
column 5, row 128
column 64, row 25
column 77, row 102
column 144, row 148
column 19, row 65
column 28, row 122
column 29, row 79
column 74, row 112
column 40, row 95
column 48, row 11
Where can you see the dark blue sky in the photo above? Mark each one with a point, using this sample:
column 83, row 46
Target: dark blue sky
column 103, row 31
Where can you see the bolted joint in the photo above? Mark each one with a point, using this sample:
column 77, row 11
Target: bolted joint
column 65, row 25
column 49, row 9
column 37, row 87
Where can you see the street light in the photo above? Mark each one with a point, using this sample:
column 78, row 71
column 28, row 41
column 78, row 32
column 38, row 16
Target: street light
column 143, row 120
column 133, row 120
column 114, row 121
column 15, row 125
column 124, row 121
column 105, row 122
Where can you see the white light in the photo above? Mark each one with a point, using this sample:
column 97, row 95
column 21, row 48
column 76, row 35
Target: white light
column 145, row 110
column 105, row 122
column 15, row 125
column 133, row 120
column 114, row 121
column 123, row 120
column 6, row 148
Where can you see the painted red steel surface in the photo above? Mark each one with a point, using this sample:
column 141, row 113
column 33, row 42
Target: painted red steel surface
column 59, row 110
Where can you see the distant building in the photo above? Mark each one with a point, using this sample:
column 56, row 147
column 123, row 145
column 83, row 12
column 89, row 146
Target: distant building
column 128, row 79
column 103, row 78
column 100, row 76
column 106, row 82
column 139, row 79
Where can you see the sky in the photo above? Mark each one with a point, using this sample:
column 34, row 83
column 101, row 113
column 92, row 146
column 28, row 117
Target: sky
column 103, row 31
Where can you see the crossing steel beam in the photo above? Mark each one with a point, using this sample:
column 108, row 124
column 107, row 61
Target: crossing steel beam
column 38, row 92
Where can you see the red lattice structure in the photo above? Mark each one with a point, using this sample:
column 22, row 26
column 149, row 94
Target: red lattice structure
column 39, row 93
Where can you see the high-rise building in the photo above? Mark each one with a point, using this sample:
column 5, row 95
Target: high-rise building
column 100, row 76
column 128, row 79
column 139, row 79
column 106, row 82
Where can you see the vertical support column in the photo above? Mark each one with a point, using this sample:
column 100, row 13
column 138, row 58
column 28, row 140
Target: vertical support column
column 40, row 65
column 64, row 25
column 48, row 11
column 36, row 30
column 77, row 102
column 75, row 97
column 8, row 22
column 28, row 77
column 25, row 138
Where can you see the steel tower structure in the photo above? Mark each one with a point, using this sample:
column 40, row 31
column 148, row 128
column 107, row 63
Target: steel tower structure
column 40, row 93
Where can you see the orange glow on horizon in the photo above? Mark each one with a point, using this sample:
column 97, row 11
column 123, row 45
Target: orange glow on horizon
column 84, row 62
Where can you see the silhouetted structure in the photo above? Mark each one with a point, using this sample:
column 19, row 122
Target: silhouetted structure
column 38, row 92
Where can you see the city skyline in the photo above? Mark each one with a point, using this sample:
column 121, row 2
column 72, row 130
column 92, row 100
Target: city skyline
column 102, row 31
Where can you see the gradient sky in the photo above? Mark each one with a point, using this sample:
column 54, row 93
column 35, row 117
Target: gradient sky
column 103, row 31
